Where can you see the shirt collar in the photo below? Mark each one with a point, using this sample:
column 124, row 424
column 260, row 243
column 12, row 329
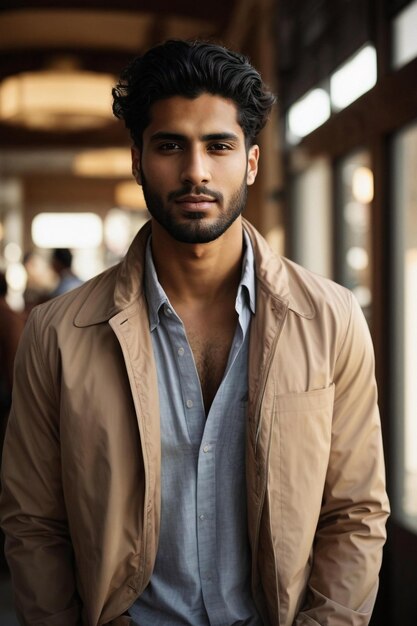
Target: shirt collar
column 156, row 296
column 247, row 279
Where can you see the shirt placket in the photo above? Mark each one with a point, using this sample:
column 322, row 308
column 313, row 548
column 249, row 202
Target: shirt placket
column 201, row 431
column 206, row 497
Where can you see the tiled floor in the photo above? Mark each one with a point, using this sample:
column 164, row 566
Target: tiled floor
column 7, row 615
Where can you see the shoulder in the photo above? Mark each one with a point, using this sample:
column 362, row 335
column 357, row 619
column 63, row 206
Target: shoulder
column 336, row 311
column 320, row 290
column 306, row 293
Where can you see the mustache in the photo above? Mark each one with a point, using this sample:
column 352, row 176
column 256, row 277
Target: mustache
column 199, row 190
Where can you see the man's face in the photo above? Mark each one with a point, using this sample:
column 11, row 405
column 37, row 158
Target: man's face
column 194, row 167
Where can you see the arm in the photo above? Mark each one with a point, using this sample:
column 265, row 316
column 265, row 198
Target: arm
column 33, row 515
column 351, row 529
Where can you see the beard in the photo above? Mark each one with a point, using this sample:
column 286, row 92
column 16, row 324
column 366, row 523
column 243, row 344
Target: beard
column 194, row 229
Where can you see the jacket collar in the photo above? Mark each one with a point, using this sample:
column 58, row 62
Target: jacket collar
column 121, row 288
column 118, row 289
column 275, row 274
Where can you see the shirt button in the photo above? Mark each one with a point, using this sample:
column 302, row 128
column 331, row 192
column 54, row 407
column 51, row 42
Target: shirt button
column 181, row 351
column 202, row 517
column 189, row 403
column 206, row 448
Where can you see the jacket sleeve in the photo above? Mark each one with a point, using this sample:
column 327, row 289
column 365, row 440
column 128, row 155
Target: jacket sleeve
column 33, row 516
column 351, row 530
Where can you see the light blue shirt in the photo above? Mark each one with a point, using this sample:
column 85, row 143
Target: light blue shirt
column 67, row 282
column 202, row 570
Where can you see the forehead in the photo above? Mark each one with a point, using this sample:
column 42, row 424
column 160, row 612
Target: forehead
column 205, row 114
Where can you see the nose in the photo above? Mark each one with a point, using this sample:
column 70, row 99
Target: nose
column 195, row 167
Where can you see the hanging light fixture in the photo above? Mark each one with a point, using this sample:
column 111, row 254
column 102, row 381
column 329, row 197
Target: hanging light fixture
column 66, row 99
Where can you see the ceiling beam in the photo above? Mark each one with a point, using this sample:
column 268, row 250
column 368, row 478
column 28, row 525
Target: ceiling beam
column 107, row 61
column 217, row 10
column 18, row 137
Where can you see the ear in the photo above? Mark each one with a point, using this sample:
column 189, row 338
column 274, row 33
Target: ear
column 253, row 157
column 136, row 164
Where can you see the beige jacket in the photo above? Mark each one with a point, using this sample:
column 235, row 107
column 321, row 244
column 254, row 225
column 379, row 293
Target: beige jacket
column 81, row 473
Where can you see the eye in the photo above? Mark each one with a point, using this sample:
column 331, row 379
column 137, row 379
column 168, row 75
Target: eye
column 169, row 146
column 219, row 147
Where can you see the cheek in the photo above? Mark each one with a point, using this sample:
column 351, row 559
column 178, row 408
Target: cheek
column 230, row 174
column 161, row 171
column 153, row 177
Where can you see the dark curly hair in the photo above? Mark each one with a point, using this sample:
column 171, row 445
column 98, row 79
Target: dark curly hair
column 188, row 69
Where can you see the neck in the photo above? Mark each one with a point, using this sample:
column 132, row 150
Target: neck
column 191, row 273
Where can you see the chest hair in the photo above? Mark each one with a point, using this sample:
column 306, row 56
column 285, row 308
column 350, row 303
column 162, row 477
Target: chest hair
column 210, row 331
column 210, row 358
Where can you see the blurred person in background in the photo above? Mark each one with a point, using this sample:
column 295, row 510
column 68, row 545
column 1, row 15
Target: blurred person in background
column 195, row 438
column 61, row 262
column 41, row 279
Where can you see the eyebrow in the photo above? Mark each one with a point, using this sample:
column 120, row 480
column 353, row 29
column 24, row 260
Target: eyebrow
column 207, row 137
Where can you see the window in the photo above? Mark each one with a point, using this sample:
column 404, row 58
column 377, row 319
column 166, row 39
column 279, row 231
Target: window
column 354, row 78
column 349, row 82
column 354, row 180
column 312, row 226
column 307, row 114
column 404, row 37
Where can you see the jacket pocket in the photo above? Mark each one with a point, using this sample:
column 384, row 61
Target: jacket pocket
column 299, row 454
column 305, row 402
column 300, row 447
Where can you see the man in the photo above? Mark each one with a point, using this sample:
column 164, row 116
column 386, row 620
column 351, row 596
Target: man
column 194, row 437
column 61, row 262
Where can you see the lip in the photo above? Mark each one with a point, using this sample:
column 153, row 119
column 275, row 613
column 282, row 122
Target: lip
column 195, row 199
column 196, row 202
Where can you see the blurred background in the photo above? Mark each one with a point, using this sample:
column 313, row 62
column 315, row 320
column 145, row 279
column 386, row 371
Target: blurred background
column 336, row 192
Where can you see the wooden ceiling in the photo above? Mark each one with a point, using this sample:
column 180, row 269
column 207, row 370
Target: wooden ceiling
column 102, row 36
